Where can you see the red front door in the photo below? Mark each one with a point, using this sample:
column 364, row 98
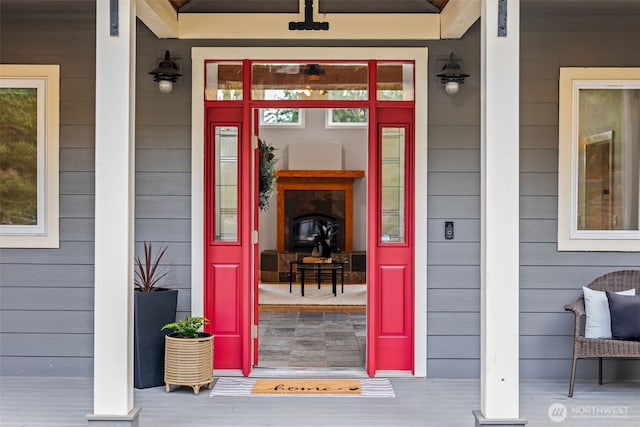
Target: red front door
column 390, row 274
column 228, row 260
column 230, row 253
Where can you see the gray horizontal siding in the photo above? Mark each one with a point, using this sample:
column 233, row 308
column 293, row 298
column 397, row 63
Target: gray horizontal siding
column 44, row 289
column 442, row 136
column 441, row 160
column 169, row 207
column 548, row 278
column 454, row 184
column 539, row 137
column 453, row 300
column 46, row 321
column 446, row 277
column 538, row 230
column 453, row 207
column 454, row 253
column 46, row 345
column 46, row 295
column 34, row 298
column 46, row 275
column 538, row 184
column 77, row 183
column 163, row 184
column 77, row 159
column 160, row 135
column 77, row 136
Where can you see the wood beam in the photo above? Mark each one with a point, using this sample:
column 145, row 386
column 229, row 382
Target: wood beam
column 159, row 16
column 275, row 26
column 457, row 17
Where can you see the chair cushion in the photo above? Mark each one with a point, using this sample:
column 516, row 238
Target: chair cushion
column 625, row 316
column 598, row 324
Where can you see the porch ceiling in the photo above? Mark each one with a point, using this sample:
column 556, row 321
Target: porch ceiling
column 291, row 6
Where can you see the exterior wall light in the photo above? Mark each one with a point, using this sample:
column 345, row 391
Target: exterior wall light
column 166, row 74
column 452, row 76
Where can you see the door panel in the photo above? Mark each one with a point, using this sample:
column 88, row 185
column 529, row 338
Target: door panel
column 226, row 231
column 393, row 301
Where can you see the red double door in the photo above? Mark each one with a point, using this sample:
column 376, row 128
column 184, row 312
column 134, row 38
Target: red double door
column 231, row 236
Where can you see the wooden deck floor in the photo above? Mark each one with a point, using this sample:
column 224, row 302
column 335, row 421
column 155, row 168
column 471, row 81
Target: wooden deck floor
column 30, row 402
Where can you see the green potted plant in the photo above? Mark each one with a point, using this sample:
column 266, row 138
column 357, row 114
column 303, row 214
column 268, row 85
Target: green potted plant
column 188, row 356
column 267, row 178
column 154, row 306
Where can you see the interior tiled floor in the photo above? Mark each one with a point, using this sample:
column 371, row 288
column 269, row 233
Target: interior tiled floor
column 312, row 339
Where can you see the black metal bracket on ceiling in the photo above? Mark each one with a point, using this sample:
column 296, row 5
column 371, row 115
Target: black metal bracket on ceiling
column 308, row 23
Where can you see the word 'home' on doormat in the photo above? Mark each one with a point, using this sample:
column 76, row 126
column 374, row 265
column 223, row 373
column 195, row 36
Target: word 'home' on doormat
column 304, row 386
column 366, row 387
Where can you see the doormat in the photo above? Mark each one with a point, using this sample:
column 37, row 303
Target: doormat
column 305, row 387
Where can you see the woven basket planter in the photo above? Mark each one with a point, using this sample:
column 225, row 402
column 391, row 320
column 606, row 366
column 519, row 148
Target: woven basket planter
column 188, row 361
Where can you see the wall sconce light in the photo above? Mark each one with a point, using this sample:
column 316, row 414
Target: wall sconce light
column 452, row 76
column 166, row 74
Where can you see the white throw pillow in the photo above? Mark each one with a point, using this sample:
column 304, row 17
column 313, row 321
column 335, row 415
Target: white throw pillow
column 596, row 306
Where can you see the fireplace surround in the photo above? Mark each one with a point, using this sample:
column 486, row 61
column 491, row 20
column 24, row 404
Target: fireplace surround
column 308, row 196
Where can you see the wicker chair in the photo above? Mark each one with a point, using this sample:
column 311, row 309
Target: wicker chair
column 592, row 348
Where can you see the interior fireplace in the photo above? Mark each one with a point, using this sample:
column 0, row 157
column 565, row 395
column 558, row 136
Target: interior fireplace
column 304, row 209
column 306, row 197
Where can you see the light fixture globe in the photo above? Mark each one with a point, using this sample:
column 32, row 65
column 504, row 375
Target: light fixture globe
column 450, row 87
column 165, row 86
column 452, row 76
column 166, row 74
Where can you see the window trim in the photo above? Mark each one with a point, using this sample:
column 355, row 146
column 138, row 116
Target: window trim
column 47, row 234
column 298, row 124
column 569, row 237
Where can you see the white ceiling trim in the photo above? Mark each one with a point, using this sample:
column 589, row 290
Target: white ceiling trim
column 164, row 22
column 457, row 17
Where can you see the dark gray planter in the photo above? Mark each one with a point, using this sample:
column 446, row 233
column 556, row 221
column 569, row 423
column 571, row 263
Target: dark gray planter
column 152, row 310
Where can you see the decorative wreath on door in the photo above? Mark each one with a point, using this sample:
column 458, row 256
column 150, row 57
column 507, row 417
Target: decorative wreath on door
column 267, row 174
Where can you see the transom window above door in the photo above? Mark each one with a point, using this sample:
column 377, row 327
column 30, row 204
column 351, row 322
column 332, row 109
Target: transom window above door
column 310, row 81
column 299, row 81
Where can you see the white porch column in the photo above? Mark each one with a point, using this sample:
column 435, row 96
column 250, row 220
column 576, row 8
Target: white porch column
column 500, row 216
column 114, row 216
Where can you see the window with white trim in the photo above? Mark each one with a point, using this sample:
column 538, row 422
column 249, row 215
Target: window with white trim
column 29, row 126
column 599, row 159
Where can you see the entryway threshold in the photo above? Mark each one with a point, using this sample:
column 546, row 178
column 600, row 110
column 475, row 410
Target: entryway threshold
column 308, row 373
